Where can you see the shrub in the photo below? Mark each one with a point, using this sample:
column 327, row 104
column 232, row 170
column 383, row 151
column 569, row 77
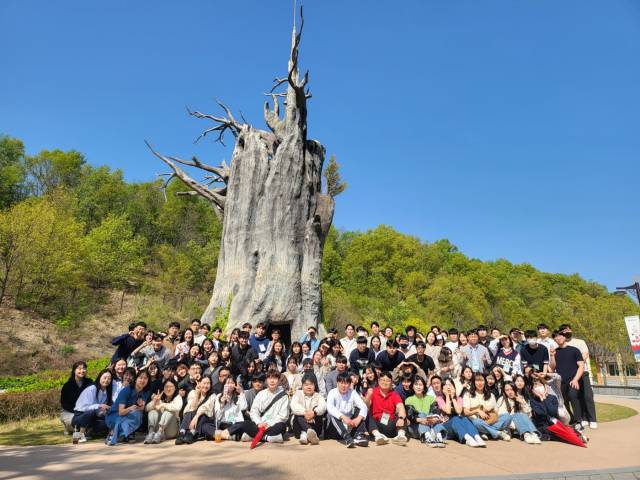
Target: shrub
column 66, row 350
column 16, row 406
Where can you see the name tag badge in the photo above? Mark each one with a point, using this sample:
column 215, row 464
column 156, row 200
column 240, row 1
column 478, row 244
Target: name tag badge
column 262, row 348
column 346, row 427
column 361, row 373
column 353, row 410
column 475, row 366
column 269, row 418
column 232, row 419
column 385, row 419
column 506, row 367
column 537, row 367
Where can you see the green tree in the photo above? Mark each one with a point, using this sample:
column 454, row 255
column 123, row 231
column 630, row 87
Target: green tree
column 100, row 192
column 332, row 184
column 49, row 170
column 12, row 171
column 112, row 254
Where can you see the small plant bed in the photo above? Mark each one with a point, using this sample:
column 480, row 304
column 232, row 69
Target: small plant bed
column 607, row 412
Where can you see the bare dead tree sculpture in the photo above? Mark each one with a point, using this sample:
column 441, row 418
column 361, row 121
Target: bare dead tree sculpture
column 275, row 218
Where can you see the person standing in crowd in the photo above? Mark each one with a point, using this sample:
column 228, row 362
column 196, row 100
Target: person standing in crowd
column 310, row 337
column 218, row 343
column 292, row 375
column 405, row 347
column 278, row 355
column 125, row 415
column 246, row 327
column 383, row 403
column 587, row 403
column 204, row 332
column 173, row 338
column 308, row 367
column 375, row 331
column 128, row 342
column 483, row 339
column 308, row 407
column 495, row 333
column 361, row 356
column 92, row 406
column 533, row 354
column 447, row 364
column 71, row 390
column 347, row 413
column 452, row 344
column 390, row 359
column 568, row 362
column 331, row 380
column 505, row 355
column 163, row 411
column 242, row 352
column 475, row 355
column 154, row 351
column 406, row 369
column 348, row 342
column 257, row 383
column 410, row 332
column 431, row 349
column 260, row 342
column 270, row 411
column 543, row 330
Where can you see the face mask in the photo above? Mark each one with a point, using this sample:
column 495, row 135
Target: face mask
column 532, row 342
column 539, row 390
column 568, row 335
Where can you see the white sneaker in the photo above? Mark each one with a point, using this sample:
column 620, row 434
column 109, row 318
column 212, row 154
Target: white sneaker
column 593, row 425
column 82, row 438
column 381, row 439
column 527, row 438
column 157, row 438
column 480, row 441
column 303, row 438
column 399, row 439
column 585, row 423
column 313, row 437
column 67, row 432
column 471, row 443
column 502, row 435
column 275, row 439
column 536, row 439
column 483, row 437
column 149, row 438
column 246, row 438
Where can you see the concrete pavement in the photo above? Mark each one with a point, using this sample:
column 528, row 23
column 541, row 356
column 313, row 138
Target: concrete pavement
column 613, row 446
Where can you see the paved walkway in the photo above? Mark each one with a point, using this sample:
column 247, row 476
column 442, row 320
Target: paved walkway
column 613, row 446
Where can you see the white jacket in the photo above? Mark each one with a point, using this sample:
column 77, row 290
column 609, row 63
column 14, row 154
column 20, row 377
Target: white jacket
column 300, row 403
column 87, row 399
column 279, row 412
column 204, row 408
column 231, row 413
column 174, row 406
column 338, row 405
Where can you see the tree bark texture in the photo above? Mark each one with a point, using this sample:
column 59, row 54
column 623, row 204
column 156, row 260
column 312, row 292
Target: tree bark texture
column 275, row 218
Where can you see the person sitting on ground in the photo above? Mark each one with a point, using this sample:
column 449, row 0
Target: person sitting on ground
column 545, row 412
column 383, row 403
column 155, row 351
column 283, row 383
column 331, row 381
column 514, row 404
column 162, row 413
column 257, row 384
column 128, row 342
column 505, row 355
column 553, row 384
column 451, row 409
column 346, row 413
column 480, row 407
column 125, row 415
column 270, row 412
column 308, row 407
column 228, row 410
column 92, row 405
column 71, row 390
column 425, row 423
column 198, row 411
column 361, row 356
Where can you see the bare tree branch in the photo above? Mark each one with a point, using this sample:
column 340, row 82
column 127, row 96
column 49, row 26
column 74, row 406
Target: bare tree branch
column 225, row 123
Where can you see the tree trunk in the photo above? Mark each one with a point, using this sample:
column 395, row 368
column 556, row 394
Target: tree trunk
column 275, row 218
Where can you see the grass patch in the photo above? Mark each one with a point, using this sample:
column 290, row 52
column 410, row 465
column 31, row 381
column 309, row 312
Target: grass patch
column 607, row 412
column 37, row 431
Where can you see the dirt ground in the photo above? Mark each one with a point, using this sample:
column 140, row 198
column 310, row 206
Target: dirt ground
column 612, row 445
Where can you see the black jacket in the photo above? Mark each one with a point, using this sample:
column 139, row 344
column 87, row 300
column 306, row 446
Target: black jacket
column 70, row 393
column 543, row 411
column 240, row 355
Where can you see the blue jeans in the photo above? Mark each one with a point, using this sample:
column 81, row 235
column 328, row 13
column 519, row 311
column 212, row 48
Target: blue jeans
column 438, row 428
column 523, row 423
column 460, row 426
column 503, row 422
column 89, row 419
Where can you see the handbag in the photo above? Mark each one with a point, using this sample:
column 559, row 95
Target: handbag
column 493, row 416
column 412, row 413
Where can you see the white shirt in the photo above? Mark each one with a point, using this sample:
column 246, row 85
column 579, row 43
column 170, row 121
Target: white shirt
column 338, row 405
column 87, row 399
column 349, row 345
column 549, row 342
column 451, row 346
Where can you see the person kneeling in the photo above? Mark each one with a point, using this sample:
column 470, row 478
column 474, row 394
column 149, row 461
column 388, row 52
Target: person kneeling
column 269, row 412
column 347, row 413
column 383, row 403
column 308, row 406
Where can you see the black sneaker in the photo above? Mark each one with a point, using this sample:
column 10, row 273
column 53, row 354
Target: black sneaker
column 180, row 439
column 361, row 441
column 88, row 435
column 188, row 438
column 349, row 441
column 578, row 427
column 132, row 438
column 424, row 437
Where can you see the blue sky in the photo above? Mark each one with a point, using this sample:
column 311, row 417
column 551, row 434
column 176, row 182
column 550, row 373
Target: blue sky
column 510, row 127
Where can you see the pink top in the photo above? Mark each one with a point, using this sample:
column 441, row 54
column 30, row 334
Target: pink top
column 441, row 402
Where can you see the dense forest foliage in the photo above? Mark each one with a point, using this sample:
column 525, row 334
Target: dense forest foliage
column 70, row 232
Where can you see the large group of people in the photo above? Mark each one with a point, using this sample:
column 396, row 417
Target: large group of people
column 375, row 386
